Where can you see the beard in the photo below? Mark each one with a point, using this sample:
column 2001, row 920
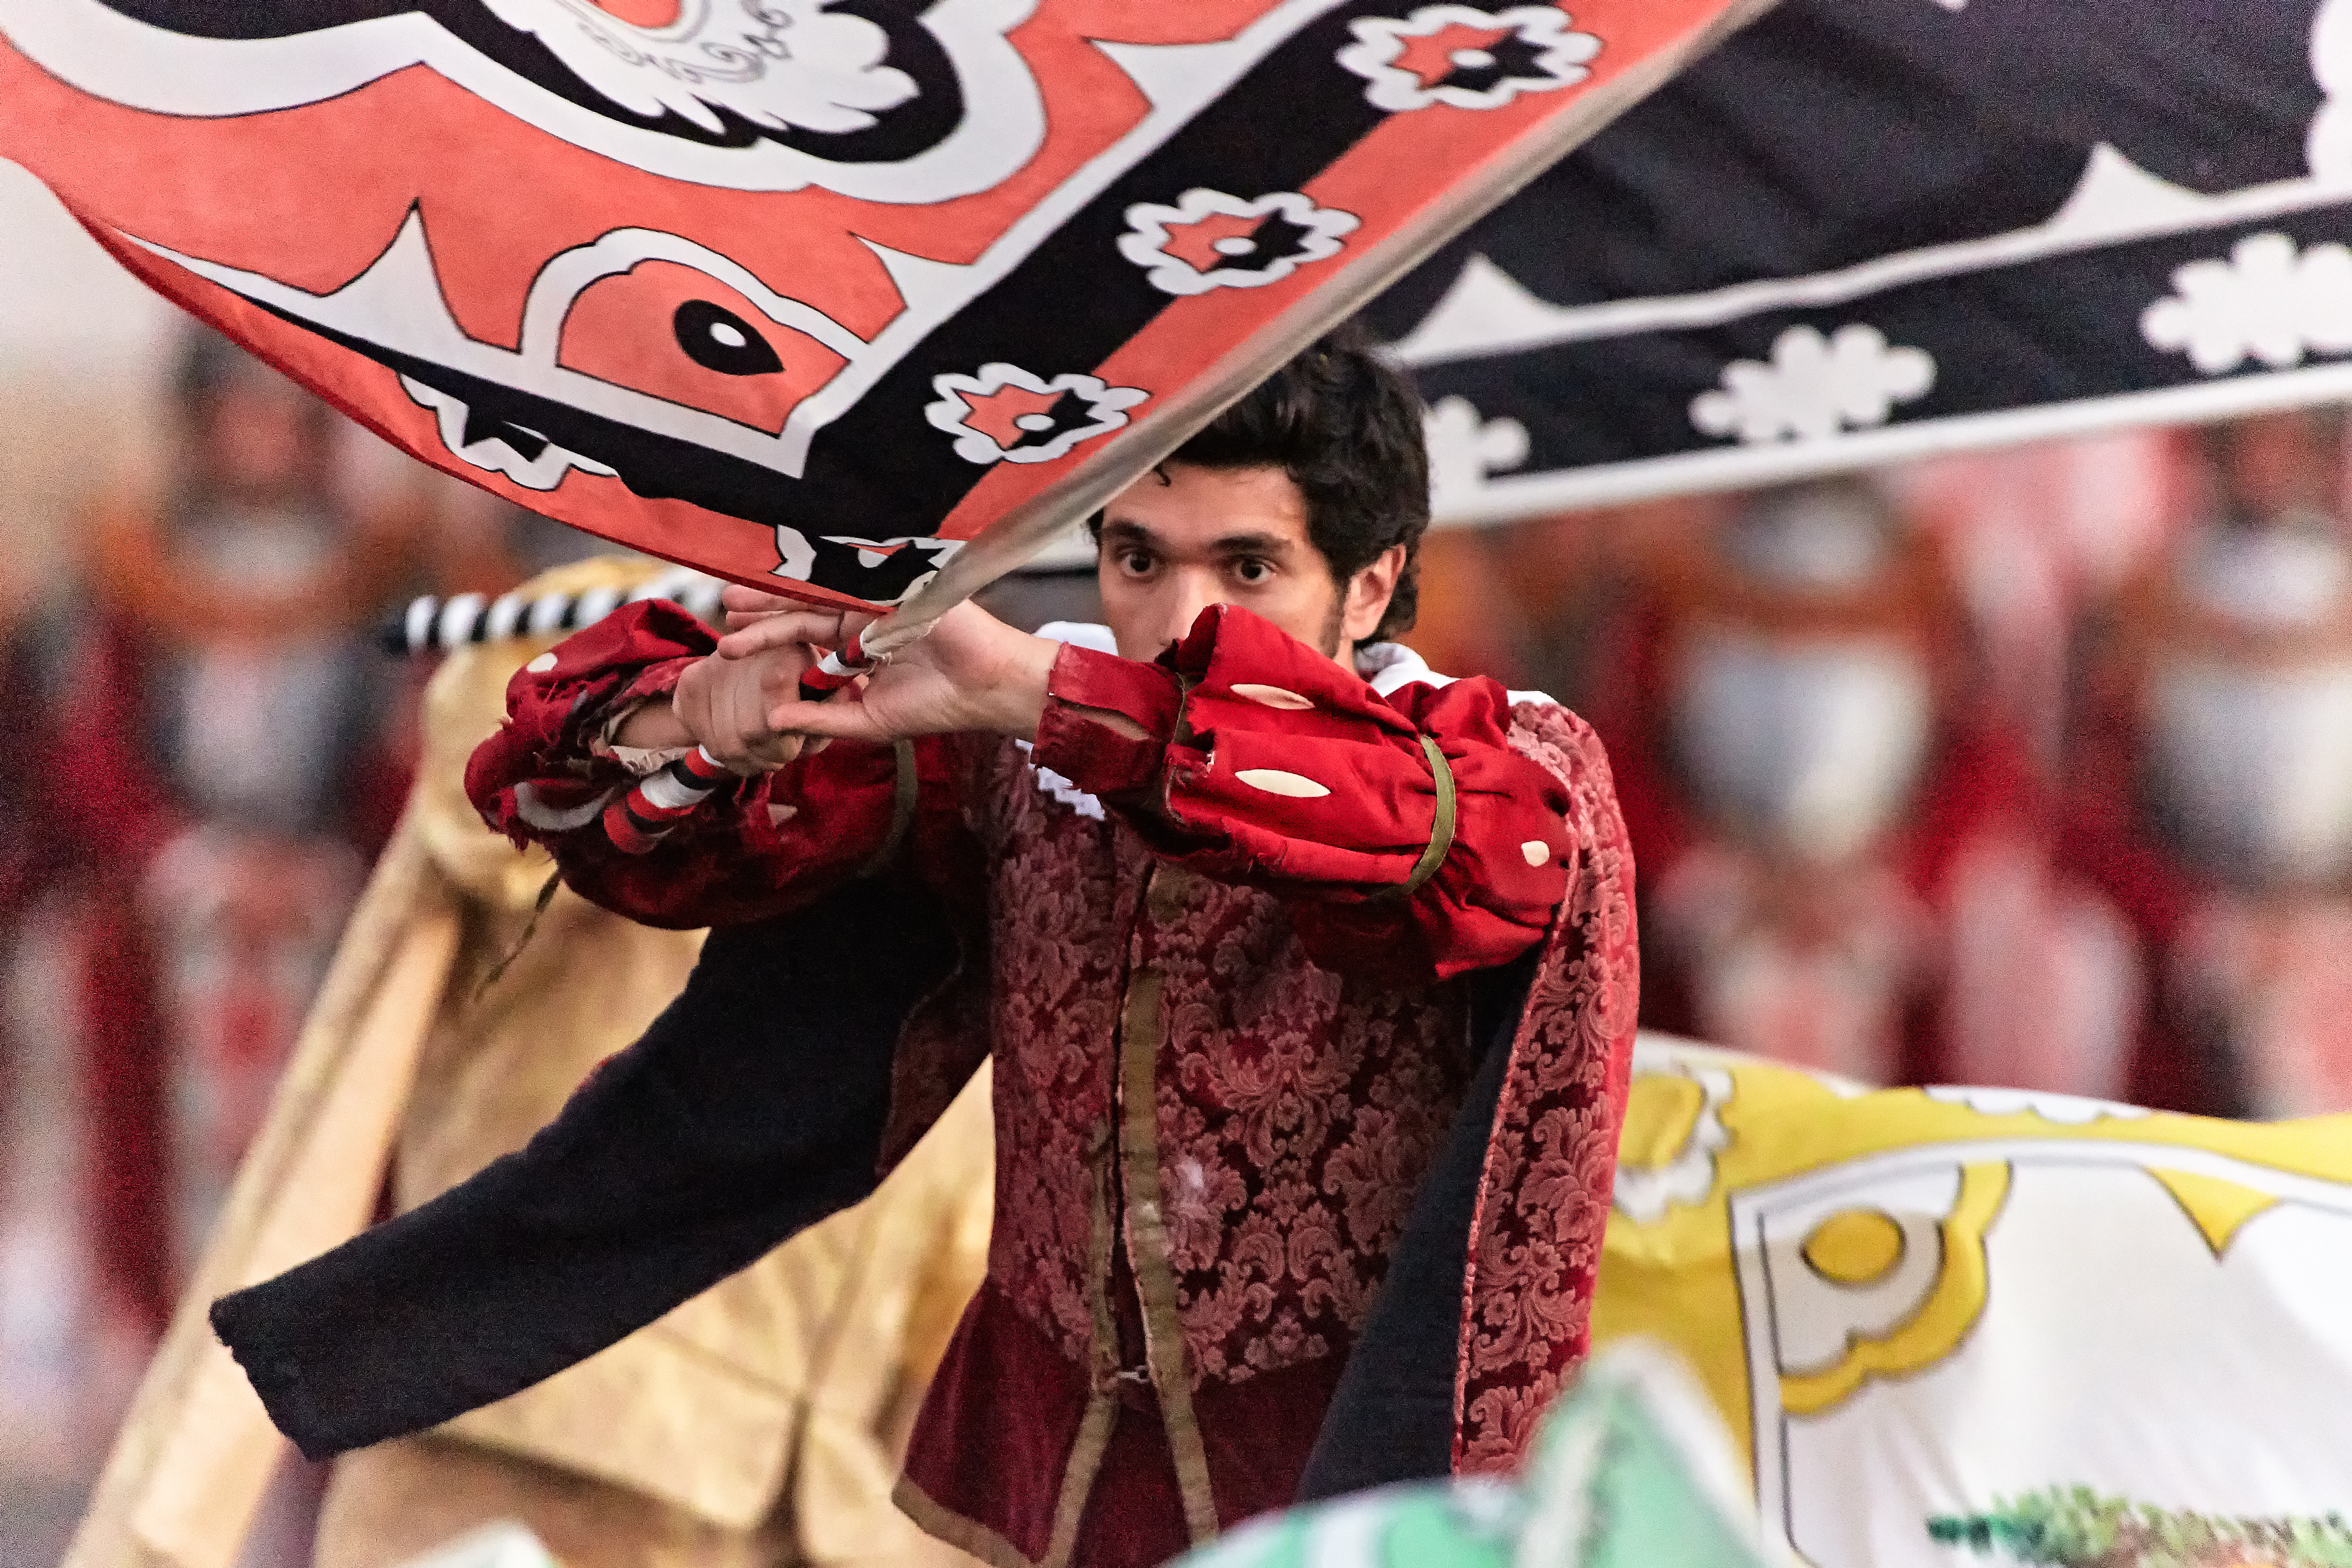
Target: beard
column 1332, row 625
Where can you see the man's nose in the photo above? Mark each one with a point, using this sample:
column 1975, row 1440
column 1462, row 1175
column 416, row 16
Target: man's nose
column 1190, row 593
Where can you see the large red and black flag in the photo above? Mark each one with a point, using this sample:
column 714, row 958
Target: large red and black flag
column 811, row 290
column 1868, row 229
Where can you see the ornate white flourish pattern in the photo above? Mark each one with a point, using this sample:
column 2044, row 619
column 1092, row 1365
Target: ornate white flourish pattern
column 1007, row 414
column 1465, row 59
column 1645, row 1196
column 1208, row 239
column 2266, row 302
column 776, row 63
column 1814, row 388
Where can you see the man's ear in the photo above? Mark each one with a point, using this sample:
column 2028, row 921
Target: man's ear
column 1368, row 595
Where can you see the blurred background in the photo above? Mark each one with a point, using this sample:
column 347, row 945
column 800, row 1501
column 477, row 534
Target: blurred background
column 2031, row 768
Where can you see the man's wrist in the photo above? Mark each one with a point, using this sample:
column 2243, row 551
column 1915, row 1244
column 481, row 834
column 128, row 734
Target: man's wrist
column 653, row 726
column 1014, row 702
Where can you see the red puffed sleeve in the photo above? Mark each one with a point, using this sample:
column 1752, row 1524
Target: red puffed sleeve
column 1266, row 764
column 751, row 848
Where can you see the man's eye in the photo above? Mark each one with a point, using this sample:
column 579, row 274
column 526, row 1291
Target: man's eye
column 1136, row 563
column 1252, row 571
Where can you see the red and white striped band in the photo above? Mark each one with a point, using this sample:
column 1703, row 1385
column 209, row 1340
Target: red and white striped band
column 638, row 820
column 837, row 670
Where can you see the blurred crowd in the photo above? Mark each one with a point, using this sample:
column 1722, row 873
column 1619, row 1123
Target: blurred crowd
column 2031, row 768
column 209, row 750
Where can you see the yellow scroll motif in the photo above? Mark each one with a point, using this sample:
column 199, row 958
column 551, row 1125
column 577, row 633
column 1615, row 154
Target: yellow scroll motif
column 1660, row 1116
column 1949, row 1310
column 1857, row 1247
column 2217, row 1207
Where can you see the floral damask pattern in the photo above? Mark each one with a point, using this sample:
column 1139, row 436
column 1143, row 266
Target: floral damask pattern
column 1055, row 903
column 1296, row 1111
column 1296, row 1115
column 1544, row 1199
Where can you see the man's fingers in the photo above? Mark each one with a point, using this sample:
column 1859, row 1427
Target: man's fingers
column 784, row 629
column 737, row 600
column 836, row 720
column 724, row 712
column 746, row 606
column 728, row 737
column 772, row 751
column 758, row 740
column 737, row 620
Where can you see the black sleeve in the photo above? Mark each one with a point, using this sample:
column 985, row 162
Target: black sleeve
column 1391, row 1417
column 753, row 1108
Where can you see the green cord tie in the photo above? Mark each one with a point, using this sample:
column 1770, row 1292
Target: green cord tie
column 1441, row 827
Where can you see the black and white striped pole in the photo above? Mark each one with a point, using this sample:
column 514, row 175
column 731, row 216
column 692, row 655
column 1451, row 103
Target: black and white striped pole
column 432, row 625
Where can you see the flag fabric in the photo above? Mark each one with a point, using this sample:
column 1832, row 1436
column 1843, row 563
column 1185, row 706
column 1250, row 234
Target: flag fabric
column 1631, row 1469
column 1869, row 229
column 1945, row 1325
column 806, row 293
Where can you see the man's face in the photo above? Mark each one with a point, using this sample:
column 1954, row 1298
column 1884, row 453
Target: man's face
column 1182, row 539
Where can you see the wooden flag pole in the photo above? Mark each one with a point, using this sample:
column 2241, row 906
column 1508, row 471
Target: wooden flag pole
column 196, row 1450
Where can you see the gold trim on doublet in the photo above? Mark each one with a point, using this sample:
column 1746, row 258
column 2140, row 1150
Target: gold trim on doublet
column 1441, row 827
column 1102, row 1405
column 1142, row 1035
column 966, row 1535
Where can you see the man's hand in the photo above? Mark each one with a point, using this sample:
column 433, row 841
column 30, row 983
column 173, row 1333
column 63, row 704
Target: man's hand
column 970, row 672
column 723, row 705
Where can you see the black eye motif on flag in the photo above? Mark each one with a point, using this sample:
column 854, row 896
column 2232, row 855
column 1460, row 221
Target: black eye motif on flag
column 877, row 99
column 1466, row 59
column 1211, row 240
column 716, row 338
column 627, row 364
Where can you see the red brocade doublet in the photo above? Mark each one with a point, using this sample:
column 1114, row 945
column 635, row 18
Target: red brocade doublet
column 1292, row 1107
column 1227, row 1046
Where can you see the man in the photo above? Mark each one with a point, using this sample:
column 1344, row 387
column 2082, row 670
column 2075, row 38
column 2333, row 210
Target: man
column 1249, row 929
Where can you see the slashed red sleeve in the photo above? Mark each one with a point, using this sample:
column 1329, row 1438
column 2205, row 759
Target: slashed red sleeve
column 752, row 848
column 1269, row 764
column 1099, row 758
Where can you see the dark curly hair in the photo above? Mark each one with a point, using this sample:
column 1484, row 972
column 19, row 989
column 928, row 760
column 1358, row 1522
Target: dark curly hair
column 1346, row 426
